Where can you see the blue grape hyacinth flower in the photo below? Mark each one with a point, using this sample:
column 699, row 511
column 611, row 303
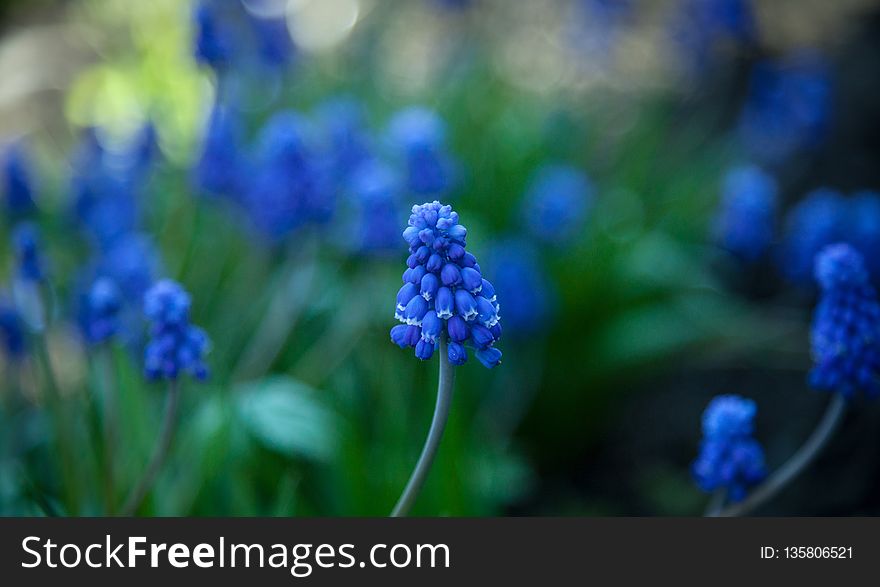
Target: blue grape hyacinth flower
column 444, row 293
column 788, row 107
column 746, row 219
column 372, row 209
column 418, row 138
column 704, row 29
column 274, row 44
column 219, row 168
column 18, row 184
column 729, row 457
column 290, row 187
column 557, row 200
column 346, row 137
column 100, row 308
column 133, row 262
column 175, row 346
column 212, row 45
column 845, row 335
column 106, row 188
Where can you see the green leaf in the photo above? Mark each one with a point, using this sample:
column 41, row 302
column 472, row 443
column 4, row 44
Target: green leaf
column 288, row 417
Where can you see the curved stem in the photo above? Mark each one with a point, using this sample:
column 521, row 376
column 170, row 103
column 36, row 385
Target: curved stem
column 716, row 502
column 796, row 464
column 438, row 423
column 160, row 452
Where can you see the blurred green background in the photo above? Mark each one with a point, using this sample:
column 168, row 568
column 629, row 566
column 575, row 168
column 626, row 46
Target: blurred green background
column 639, row 317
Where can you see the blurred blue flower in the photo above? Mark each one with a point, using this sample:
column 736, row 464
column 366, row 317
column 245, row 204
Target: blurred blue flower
column 18, row 184
column 846, row 325
column 746, row 219
column 816, row 221
column 12, row 333
column 175, row 345
column 730, row 464
column 290, row 186
column 99, row 311
column 729, row 416
column 28, row 256
column 342, row 121
column 274, row 44
column 417, row 136
column 132, row 263
column 372, row 209
column 219, row 168
column 231, row 34
column 729, row 457
column 444, row 293
column 788, row 107
column 703, row 27
column 557, row 200
column 520, row 280
column 106, row 188
column 212, row 43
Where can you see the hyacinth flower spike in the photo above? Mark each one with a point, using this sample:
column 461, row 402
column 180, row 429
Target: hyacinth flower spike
column 730, row 460
column 845, row 341
column 443, row 307
column 176, row 347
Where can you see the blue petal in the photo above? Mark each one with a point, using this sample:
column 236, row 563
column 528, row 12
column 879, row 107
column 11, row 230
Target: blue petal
column 486, row 312
column 458, row 330
column 424, row 349
column 416, row 310
column 435, row 263
column 398, row 335
column 405, row 294
column 411, row 235
column 457, row 353
column 455, row 251
column 457, row 233
column 481, row 336
column 471, row 279
column 431, row 326
column 490, row 357
column 451, row 274
column 444, row 304
column 488, row 290
column 465, row 304
column 412, row 336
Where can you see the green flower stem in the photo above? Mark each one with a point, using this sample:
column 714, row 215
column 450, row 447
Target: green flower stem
column 109, row 423
column 291, row 288
column 160, row 451
column 64, row 441
column 796, row 464
column 441, row 414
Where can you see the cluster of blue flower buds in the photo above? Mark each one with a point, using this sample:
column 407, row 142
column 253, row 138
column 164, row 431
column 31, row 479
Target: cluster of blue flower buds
column 175, row 345
column 444, row 293
column 730, row 459
column 846, row 325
